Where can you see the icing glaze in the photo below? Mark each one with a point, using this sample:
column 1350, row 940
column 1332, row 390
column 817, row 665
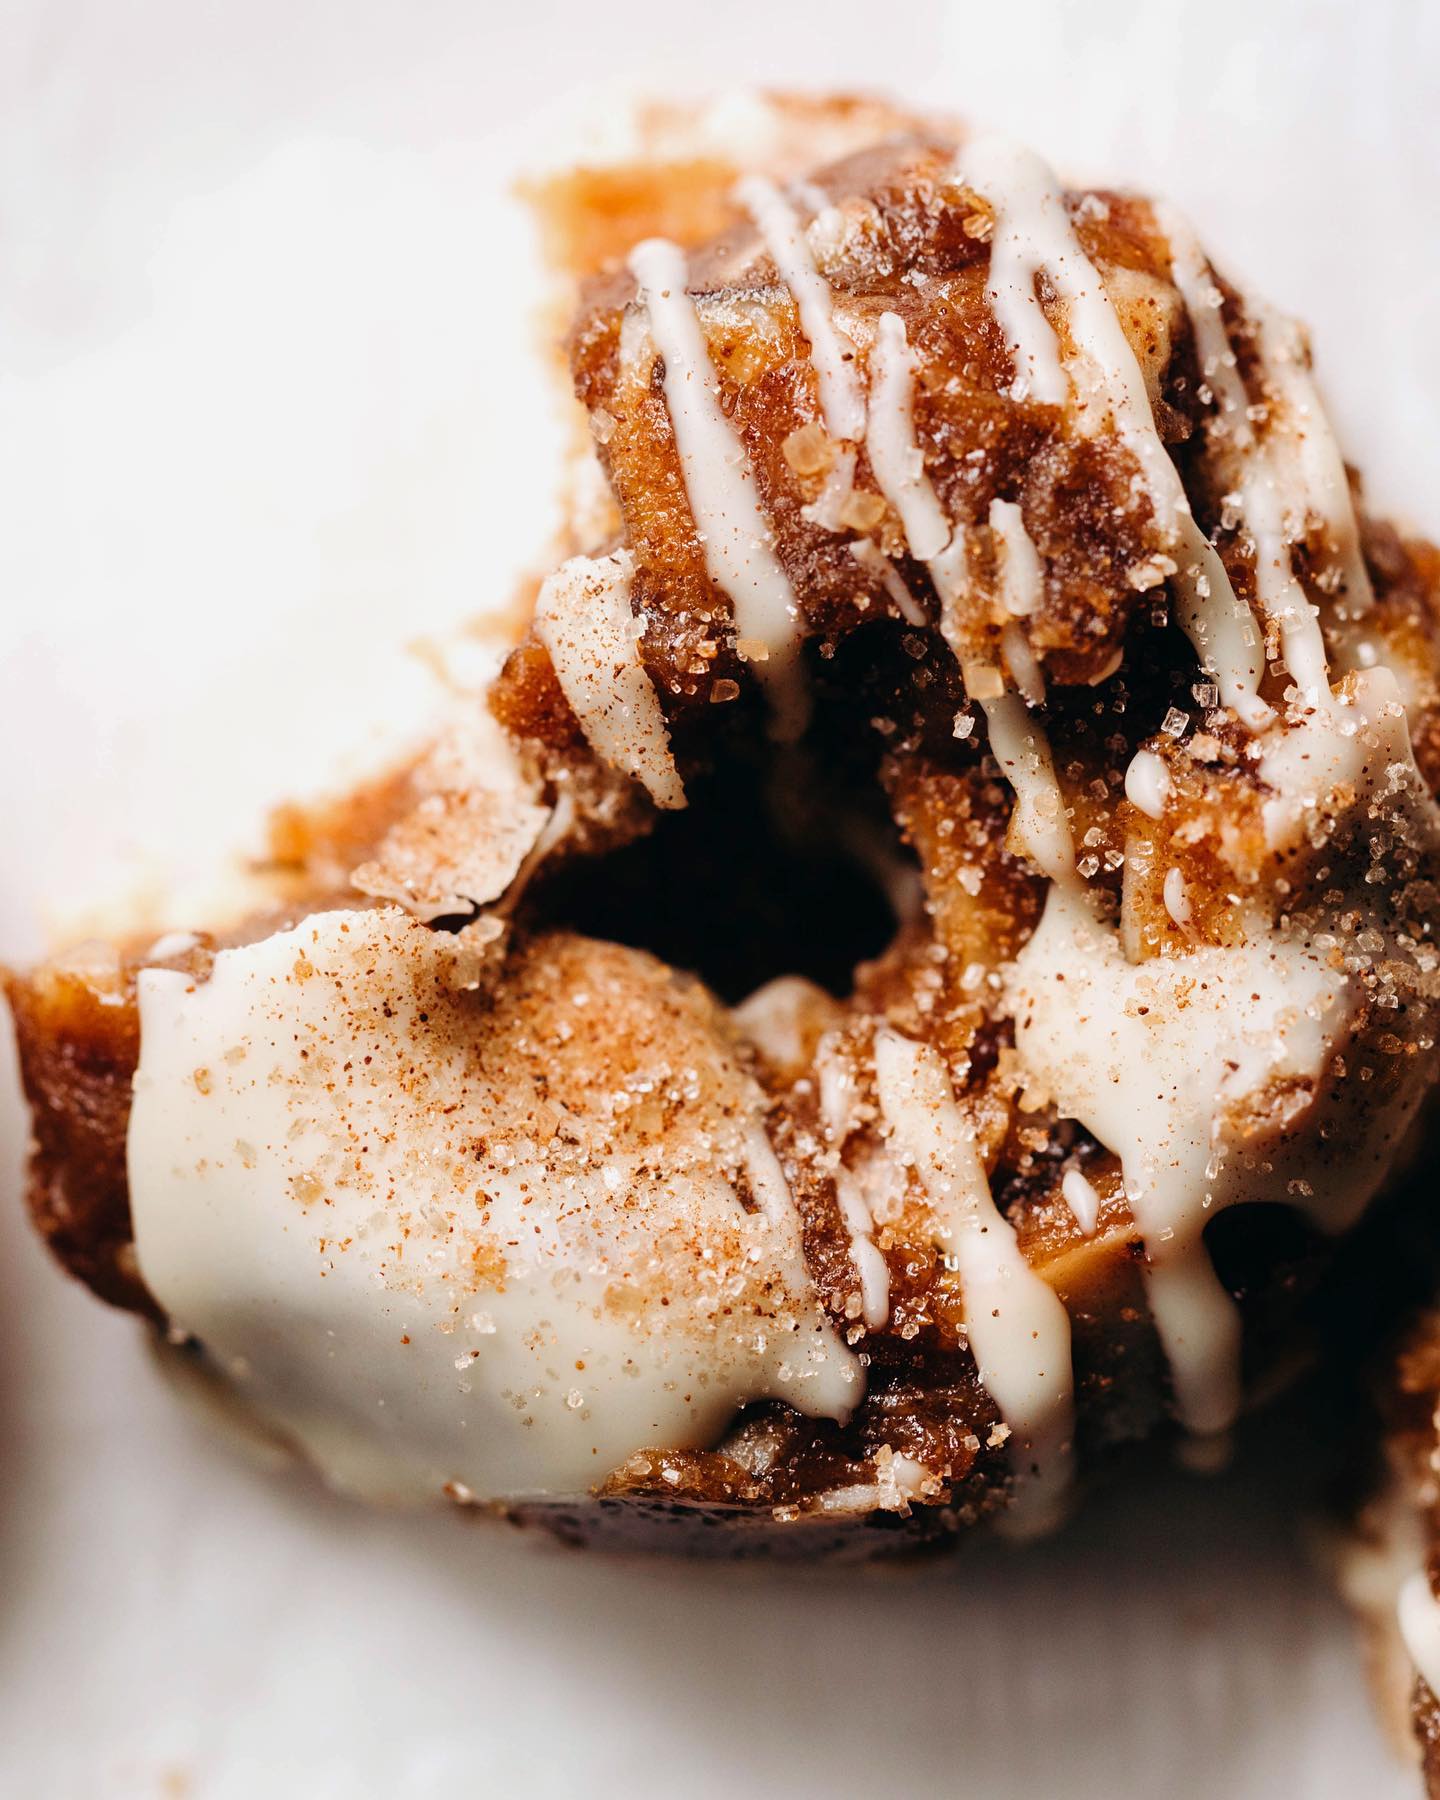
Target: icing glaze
column 1017, row 1327
column 1157, row 1060
column 584, row 619
column 899, row 463
column 738, row 543
column 842, row 400
column 1033, row 234
column 423, row 1237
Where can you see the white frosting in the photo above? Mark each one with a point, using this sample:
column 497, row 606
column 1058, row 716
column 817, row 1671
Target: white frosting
column 1147, row 783
column 1022, row 580
column 1317, row 455
column 899, row 463
column 1356, row 747
column 1080, row 1196
column 827, row 508
column 1177, row 901
column 842, row 400
column 1197, row 286
column 870, row 1265
column 1281, row 480
column 1023, row 664
column 439, row 1239
column 1296, row 476
column 1273, row 502
column 835, row 1077
column 583, row 618
column 895, row 456
column 782, row 1019
column 1155, row 1059
column 739, row 545
column 1033, row 235
column 1018, row 1329
column 1220, row 626
column 1418, row 1613
column 873, row 560
column 1039, row 825
column 1030, row 223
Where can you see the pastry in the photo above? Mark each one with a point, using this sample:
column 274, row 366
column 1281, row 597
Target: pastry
column 909, row 972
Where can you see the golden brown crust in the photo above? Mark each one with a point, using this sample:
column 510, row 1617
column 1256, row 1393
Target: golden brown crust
column 79, row 1039
column 913, row 247
column 681, row 185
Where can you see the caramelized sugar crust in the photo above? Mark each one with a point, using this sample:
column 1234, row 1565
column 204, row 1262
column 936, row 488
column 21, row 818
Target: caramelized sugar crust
column 911, row 247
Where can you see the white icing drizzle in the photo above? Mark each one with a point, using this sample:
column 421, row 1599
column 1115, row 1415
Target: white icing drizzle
column 1177, row 901
column 895, row 456
column 1088, row 1021
column 873, row 560
column 1273, row 502
column 781, row 1018
column 583, row 618
column 1023, row 663
column 842, row 400
column 458, row 1261
column 1327, row 487
column 949, row 571
column 1197, row 287
column 1022, row 580
column 1418, row 1613
column 1017, row 1327
column 1039, row 825
column 870, row 1265
column 1294, row 474
column 1151, row 1058
column 1147, row 783
column 1282, row 479
column 827, row 508
column 1279, row 493
column 1358, row 744
column 1080, row 1196
column 899, row 463
column 739, row 545
column 836, row 1084
column 1033, row 235
column 1220, row 626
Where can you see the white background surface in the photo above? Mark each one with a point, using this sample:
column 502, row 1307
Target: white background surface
column 268, row 407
